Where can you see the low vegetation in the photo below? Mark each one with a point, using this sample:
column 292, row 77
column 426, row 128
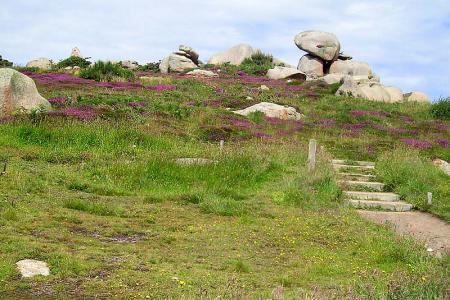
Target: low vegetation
column 94, row 188
column 441, row 109
column 106, row 71
column 73, row 61
column 258, row 64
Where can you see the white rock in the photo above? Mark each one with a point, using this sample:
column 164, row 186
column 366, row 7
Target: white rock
column 41, row 63
column 164, row 65
column 75, row 52
column 234, row 55
column 130, row 64
column 417, row 97
column 395, row 93
column 179, row 63
column 318, row 43
column 443, row 165
column 350, row 67
column 264, row 88
column 311, row 66
column 370, row 91
column 285, row 73
column 272, row 110
column 202, row 73
column 31, row 267
column 18, row 92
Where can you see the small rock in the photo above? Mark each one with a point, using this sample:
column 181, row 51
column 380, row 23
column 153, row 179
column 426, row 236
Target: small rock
column 202, row 73
column 130, row 64
column 430, row 249
column 31, row 267
column 249, row 98
column 443, row 165
column 285, row 73
column 264, row 88
column 272, row 110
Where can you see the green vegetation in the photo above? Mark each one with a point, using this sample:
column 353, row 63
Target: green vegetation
column 151, row 66
column 73, row 61
column 106, row 71
column 258, row 64
column 441, row 109
column 408, row 174
column 95, row 189
column 5, row 63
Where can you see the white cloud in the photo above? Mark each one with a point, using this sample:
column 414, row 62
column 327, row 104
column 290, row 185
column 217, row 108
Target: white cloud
column 406, row 41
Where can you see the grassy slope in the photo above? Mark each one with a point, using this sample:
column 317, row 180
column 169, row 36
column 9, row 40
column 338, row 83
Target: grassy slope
column 103, row 202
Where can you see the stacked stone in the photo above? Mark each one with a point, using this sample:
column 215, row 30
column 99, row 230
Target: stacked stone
column 180, row 61
column 325, row 61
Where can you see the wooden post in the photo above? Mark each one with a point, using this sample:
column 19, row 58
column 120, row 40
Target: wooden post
column 430, row 198
column 312, row 154
column 222, row 142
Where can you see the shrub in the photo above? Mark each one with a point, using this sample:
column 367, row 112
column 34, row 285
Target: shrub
column 106, row 71
column 152, row 66
column 258, row 64
column 441, row 109
column 72, row 62
column 5, row 63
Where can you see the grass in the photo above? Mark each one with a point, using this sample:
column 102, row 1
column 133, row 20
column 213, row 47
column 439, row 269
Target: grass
column 404, row 171
column 106, row 71
column 104, row 203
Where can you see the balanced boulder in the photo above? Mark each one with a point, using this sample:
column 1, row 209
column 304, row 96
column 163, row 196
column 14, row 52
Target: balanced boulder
column 40, row 63
column 416, row 97
column 76, row 52
column 272, row 110
column 285, row 73
column 311, row 66
column 318, row 43
column 18, row 92
column 179, row 61
column 235, row 55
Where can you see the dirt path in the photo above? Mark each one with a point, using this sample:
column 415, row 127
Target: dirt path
column 433, row 232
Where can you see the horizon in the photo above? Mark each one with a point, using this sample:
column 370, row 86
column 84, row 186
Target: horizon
column 398, row 40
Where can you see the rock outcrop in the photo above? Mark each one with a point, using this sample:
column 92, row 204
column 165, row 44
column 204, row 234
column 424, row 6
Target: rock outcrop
column 40, row 63
column 235, row 55
column 320, row 44
column 272, row 110
column 324, row 61
column 180, row 61
column 130, row 64
column 285, row 73
column 202, row 73
column 416, row 97
column 76, row 52
column 18, row 92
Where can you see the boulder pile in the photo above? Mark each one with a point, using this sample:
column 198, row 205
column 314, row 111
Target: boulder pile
column 18, row 92
column 180, row 61
column 325, row 61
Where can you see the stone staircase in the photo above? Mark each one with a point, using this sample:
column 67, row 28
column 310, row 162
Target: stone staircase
column 360, row 189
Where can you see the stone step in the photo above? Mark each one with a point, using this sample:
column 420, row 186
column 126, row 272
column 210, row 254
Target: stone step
column 357, row 176
column 378, row 186
column 398, row 206
column 354, row 168
column 352, row 162
column 375, row 196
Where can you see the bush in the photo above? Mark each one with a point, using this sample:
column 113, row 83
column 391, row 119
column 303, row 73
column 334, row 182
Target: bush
column 258, row 64
column 72, row 62
column 106, row 71
column 441, row 109
column 152, row 66
column 5, row 63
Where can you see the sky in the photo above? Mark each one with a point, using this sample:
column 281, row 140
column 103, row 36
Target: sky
column 406, row 42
